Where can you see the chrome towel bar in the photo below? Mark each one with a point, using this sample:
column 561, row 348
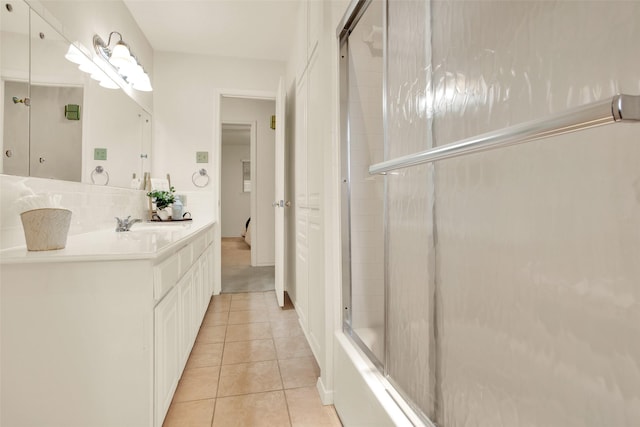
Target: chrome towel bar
column 620, row 108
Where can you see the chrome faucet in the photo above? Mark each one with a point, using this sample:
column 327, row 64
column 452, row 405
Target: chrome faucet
column 125, row 224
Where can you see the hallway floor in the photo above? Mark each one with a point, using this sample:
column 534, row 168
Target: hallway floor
column 250, row 366
column 237, row 273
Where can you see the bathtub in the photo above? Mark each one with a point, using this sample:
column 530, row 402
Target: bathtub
column 362, row 396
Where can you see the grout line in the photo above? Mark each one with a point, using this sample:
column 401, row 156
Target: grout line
column 284, row 392
column 224, row 340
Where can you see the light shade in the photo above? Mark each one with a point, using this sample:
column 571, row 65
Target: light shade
column 75, row 55
column 106, row 82
column 120, row 64
column 121, row 57
column 142, row 83
column 88, row 67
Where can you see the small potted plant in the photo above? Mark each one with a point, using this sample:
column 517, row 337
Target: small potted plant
column 162, row 199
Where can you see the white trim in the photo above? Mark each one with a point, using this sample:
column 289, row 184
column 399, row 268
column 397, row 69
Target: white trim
column 377, row 394
column 326, row 396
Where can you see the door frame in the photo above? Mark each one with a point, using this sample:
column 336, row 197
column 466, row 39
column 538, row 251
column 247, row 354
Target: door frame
column 217, row 151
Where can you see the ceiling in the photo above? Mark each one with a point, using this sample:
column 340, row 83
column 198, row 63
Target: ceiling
column 258, row 29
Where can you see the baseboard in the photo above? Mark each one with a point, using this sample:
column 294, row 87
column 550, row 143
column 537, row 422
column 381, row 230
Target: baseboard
column 264, row 264
column 325, row 395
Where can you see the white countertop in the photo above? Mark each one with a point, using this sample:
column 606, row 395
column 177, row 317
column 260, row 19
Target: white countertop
column 150, row 240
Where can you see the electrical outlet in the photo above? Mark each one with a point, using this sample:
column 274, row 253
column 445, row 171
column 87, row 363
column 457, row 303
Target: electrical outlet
column 99, row 154
column 202, row 157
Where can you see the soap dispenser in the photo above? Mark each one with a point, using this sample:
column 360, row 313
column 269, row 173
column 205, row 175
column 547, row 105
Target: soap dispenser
column 176, row 209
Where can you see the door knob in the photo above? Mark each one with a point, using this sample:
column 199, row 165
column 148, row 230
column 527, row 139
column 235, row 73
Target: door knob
column 281, row 204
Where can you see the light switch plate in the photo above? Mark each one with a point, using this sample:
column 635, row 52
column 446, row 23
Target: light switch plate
column 99, row 154
column 202, row 157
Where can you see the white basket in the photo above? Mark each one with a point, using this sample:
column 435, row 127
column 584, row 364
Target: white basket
column 46, row 229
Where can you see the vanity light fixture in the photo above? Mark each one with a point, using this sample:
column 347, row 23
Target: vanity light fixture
column 123, row 62
column 76, row 55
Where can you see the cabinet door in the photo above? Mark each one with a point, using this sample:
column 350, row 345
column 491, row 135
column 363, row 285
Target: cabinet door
column 210, row 272
column 187, row 320
column 167, row 323
column 206, row 279
column 198, row 292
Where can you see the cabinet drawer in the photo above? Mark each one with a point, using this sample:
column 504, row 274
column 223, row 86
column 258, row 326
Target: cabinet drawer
column 165, row 277
column 209, row 236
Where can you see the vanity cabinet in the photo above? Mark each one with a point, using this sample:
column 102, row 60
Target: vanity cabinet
column 178, row 315
column 98, row 341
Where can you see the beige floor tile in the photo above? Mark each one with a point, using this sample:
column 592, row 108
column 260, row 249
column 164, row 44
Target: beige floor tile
column 205, row 354
column 211, row 334
column 198, row 413
column 306, row 409
column 299, row 372
column 247, row 304
column 248, row 296
column 252, row 410
column 290, row 347
column 248, row 331
column 219, row 306
column 248, row 351
column 197, row 384
column 246, row 378
column 286, row 328
column 221, row 298
column 248, row 316
column 215, row 318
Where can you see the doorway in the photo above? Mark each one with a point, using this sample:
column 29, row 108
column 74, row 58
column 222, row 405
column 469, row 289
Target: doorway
column 246, row 194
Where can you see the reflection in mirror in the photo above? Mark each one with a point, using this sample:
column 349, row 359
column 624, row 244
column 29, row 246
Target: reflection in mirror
column 57, row 106
column 14, row 87
column 67, row 123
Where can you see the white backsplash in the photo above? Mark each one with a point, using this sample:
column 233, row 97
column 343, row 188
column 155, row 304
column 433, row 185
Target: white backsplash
column 93, row 207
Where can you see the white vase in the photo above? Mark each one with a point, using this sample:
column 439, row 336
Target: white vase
column 163, row 214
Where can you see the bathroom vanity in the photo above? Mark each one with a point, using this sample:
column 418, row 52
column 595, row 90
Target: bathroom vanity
column 98, row 334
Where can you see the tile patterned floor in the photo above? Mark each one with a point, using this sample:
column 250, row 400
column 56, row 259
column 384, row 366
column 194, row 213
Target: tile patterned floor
column 250, row 366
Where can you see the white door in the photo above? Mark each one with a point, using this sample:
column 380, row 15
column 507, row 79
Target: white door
column 280, row 204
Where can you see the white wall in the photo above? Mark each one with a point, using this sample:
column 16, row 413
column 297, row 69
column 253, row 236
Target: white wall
column 236, row 204
column 186, row 111
column 263, row 224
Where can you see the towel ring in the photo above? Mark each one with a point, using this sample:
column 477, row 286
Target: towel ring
column 201, row 172
column 99, row 170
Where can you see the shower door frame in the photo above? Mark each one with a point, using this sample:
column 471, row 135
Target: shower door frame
column 356, row 10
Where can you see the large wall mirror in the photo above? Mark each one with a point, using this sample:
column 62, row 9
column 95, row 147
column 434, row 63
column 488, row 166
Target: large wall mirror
column 57, row 121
